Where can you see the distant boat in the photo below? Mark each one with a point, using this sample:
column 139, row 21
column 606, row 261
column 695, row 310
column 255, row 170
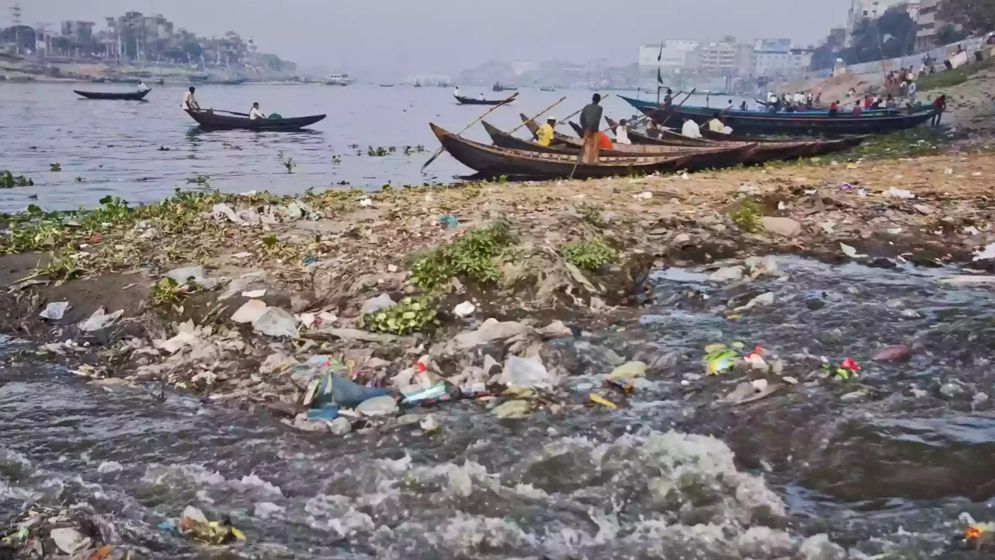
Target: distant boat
column 126, row 96
column 498, row 87
column 211, row 120
column 233, row 82
column 417, row 83
column 339, row 80
column 199, row 78
column 547, row 88
column 471, row 101
column 386, row 85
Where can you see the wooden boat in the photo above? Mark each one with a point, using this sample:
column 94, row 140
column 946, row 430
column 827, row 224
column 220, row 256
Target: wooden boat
column 233, row 82
column 798, row 124
column 471, row 101
column 211, row 120
column 493, row 161
column 128, row 96
column 547, row 88
column 719, row 155
column 665, row 137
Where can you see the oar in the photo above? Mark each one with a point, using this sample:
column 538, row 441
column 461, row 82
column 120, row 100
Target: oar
column 544, row 111
column 229, row 112
column 467, row 127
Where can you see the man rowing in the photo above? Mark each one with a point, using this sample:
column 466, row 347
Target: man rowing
column 189, row 103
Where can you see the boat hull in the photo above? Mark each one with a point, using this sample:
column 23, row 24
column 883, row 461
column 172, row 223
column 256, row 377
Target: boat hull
column 213, row 121
column 110, row 96
column 470, row 101
column 794, row 124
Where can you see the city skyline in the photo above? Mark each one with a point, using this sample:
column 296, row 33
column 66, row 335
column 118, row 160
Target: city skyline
column 441, row 36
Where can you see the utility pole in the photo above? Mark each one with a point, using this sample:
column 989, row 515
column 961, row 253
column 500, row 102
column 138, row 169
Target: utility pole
column 15, row 16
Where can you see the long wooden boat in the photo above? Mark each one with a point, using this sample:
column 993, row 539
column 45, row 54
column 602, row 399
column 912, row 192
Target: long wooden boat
column 128, row 96
column 753, row 153
column 496, row 161
column 210, row 120
column 471, row 101
column 716, row 156
column 499, row 87
column 665, row 137
column 798, row 124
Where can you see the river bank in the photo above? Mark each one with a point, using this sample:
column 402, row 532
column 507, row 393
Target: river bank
column 267, row 297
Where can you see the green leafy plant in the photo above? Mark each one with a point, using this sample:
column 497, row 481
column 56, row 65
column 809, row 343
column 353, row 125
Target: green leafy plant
column 167, row 293
column 588, row 254
column 410, row 315
column 747, row 215
column 471, row 257
column 60, row 269
column 201, row 180
column 55, row 167
column 9, row 181
column 591, row 213
column 286, row 161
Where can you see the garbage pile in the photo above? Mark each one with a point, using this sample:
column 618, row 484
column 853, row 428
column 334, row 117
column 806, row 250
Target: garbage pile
column 73, row 532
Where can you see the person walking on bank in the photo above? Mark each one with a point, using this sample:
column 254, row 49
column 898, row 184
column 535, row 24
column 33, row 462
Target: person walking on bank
column 590, row 117
column 939, row 105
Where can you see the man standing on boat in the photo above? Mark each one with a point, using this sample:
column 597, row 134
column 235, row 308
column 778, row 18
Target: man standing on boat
column 255, row 113
column 456, row 91
column 544, row 136
column 142, row 88
column 189, row 103
column 590, row 117
column 668, row 100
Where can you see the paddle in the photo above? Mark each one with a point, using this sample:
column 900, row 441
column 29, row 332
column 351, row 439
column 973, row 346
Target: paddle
column 686, row 97
column 229, row 112
column 544, row 111
column 467, row 127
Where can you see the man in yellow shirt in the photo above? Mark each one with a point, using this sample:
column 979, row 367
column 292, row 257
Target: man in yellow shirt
column 545, row 133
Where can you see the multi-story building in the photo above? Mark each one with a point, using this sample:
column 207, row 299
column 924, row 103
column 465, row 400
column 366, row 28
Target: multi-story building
column 776, row 58
column 80, row 32
column 928, row 24
column 869, row 9
column 716, row 58
column 671, row 54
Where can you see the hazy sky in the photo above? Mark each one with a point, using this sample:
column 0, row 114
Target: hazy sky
column 398, row 37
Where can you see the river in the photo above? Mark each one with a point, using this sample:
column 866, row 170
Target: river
column 142, row 151
column 885, row 470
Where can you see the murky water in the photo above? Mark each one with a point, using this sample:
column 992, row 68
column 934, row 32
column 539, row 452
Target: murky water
column 883, row 466
column 141, row 151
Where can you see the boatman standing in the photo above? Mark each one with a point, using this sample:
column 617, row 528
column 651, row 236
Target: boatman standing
column 456, row 91
column 142, row 88
column 189, row 103
column 255, row 113
column 544, row 136
column 590, row 116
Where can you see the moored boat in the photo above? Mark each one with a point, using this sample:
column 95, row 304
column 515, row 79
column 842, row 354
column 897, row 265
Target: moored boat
column 664, row 137
column 495, row 161
column 211, row 120
column 797, row 124
column 339, row 80
column 500, row 87
column 716, row 156
column 471, row 101
column 124, row 96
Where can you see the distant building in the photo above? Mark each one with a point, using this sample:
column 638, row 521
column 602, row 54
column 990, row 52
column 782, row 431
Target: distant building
column 929, row 24
column 782, row 63
column 520, row 67
column 772, row 45
column 80, row 32
column 718, row 58
column 672, row 54
column 873, row 9
column 19, row 38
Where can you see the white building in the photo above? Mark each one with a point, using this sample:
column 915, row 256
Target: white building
column 673, row 54
column 793, row 62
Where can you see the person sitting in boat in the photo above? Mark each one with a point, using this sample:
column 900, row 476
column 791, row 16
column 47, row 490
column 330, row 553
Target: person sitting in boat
column 743, row 107
column 716, row 125
column 545, row 134
column 142, row 88
column 857, row 109
column 482, row 96
column 604, row 142
column 834, row 108
column 622, row 133
column 189, row 103
column 652, row 130
column 255, row 113
column 668, row 100
column 691, row 129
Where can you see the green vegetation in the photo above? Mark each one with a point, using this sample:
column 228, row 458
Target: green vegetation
column 588, row 254
column 60, row 269
column 591, row 213
column 915, row 142
column 167, row 293
column 747, row 215
column 55, row 167
column 473, row 257
column 201, row 180
column 410, row 315
column 9, row 181
column 951, row 78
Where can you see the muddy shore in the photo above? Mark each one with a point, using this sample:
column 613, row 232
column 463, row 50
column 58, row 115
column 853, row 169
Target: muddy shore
column 321, row 260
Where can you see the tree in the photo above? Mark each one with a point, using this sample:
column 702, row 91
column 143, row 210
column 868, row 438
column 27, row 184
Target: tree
column 973, row 16
column 890, row 36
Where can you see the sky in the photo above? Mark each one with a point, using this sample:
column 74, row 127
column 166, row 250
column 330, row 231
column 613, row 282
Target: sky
column 398, row 38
